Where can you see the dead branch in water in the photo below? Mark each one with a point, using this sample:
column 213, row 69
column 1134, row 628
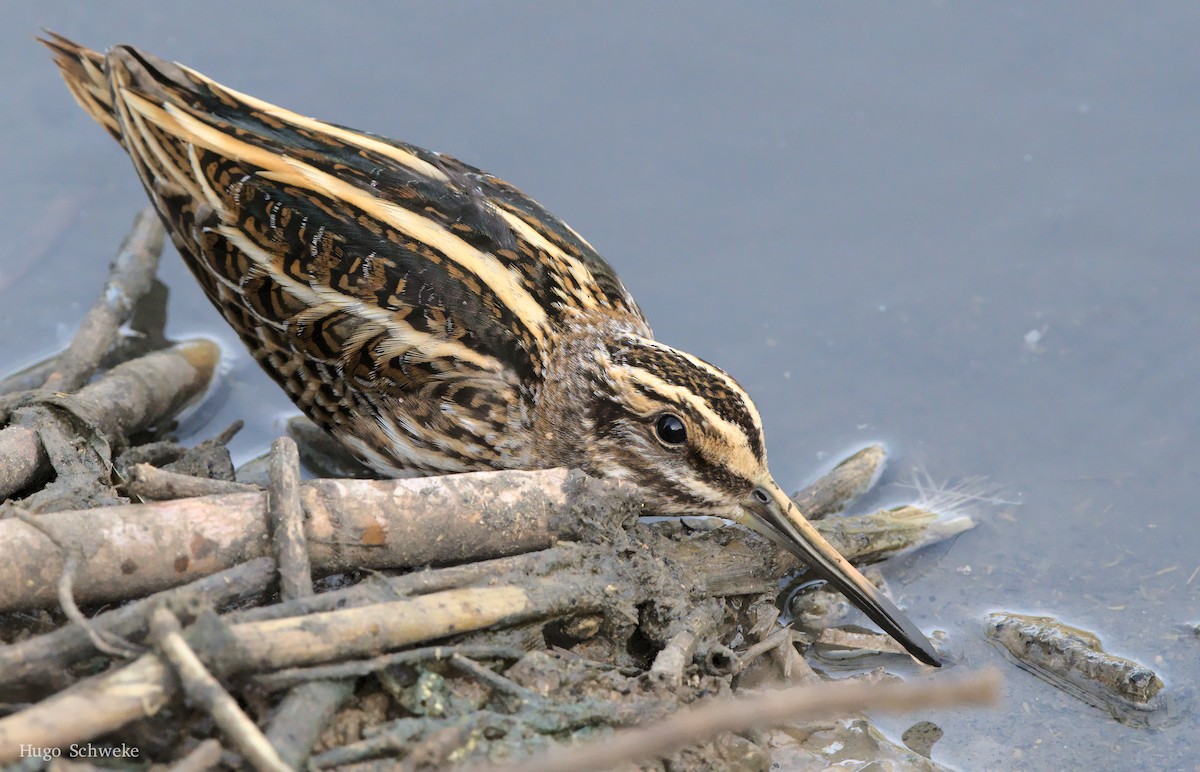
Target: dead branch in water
column 130, row 276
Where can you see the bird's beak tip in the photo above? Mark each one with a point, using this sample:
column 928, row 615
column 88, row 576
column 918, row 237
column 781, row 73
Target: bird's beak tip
column 777, row 517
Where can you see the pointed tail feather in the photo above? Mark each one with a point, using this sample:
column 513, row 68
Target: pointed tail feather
column 84, row 72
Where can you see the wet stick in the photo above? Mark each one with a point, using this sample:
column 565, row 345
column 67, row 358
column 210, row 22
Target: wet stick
column 206, row 692
column 130, row 397
column 130, row 277
column 835, row 490
column 135, row 550
column 306, row 709
column 150, row 483
column 41, row 659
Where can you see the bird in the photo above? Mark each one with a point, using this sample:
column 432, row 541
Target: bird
column 432, row 317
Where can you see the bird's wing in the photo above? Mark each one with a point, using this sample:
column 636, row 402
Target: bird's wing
column 343, row 259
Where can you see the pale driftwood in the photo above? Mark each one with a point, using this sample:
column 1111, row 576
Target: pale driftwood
column 206, row 692
column 43, row 659
column 846, row 639
column 23, row 460
column 205, row 756
column 107, row 702
column 305, row 710
column 130, row 276
column 142, row 392
column 132, row 396
column 286, row 513
column 671, row 661
column 135, row 550
column 767, row 709
column 151, row 483
column 378, row 589
column 851, row 478
column 301, row 717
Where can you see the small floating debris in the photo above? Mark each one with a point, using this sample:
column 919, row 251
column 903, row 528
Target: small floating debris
column 1074, row 660
column 883, row 534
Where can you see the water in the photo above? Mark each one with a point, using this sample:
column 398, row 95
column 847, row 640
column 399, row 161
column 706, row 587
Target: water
column 969, row 231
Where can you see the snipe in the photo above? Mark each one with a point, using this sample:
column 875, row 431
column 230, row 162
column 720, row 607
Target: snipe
column 432, row 317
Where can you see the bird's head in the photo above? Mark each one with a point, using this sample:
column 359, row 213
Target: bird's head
column 687, row 433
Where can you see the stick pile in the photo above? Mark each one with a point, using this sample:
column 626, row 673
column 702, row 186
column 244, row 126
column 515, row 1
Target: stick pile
column 526, row 618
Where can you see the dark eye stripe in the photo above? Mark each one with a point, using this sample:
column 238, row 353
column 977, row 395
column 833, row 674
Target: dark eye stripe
column 674, row 368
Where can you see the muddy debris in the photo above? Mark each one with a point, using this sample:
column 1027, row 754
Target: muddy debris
column 1074, row 661
column 494, row 618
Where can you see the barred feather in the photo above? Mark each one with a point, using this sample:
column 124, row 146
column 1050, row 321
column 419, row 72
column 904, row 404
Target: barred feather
column 430, row 316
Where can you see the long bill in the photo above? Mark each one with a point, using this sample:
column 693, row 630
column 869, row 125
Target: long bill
column 777, row 518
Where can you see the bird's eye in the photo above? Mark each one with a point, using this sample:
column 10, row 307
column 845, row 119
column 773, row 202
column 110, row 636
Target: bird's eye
column 670, row 429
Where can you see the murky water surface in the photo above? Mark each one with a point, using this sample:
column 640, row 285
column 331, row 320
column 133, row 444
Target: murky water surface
column 969, row 231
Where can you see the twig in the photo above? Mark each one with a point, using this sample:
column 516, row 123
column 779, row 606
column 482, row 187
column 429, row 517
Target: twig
column 880, row 535
column 302, row 715
column 284, row 679
column 432, row 752
column 203, row 757
column 131, row 396
column 136, row 550
column 379, row 589
column 151, row 483
column 41, row 659
column 287, row 521
column 105, row 642
column 791, row 663
column 769, row 643
column 832, row 492
column 767, row 709
column 846, row 639
column 206, row 692
column 669, row 664
column 307, row 708
column 393, row 736
column 130, row 276
column 492, row 679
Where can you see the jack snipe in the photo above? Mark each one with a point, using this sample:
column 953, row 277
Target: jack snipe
column 432, row 317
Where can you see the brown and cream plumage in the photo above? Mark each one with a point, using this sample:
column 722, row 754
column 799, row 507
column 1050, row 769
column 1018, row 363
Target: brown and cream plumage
column 430, row 316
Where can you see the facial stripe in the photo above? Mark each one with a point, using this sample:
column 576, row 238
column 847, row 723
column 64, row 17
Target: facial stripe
column 742, row 459
column 714, row 393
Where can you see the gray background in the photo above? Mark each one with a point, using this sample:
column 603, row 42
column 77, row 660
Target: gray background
column 861, row 211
